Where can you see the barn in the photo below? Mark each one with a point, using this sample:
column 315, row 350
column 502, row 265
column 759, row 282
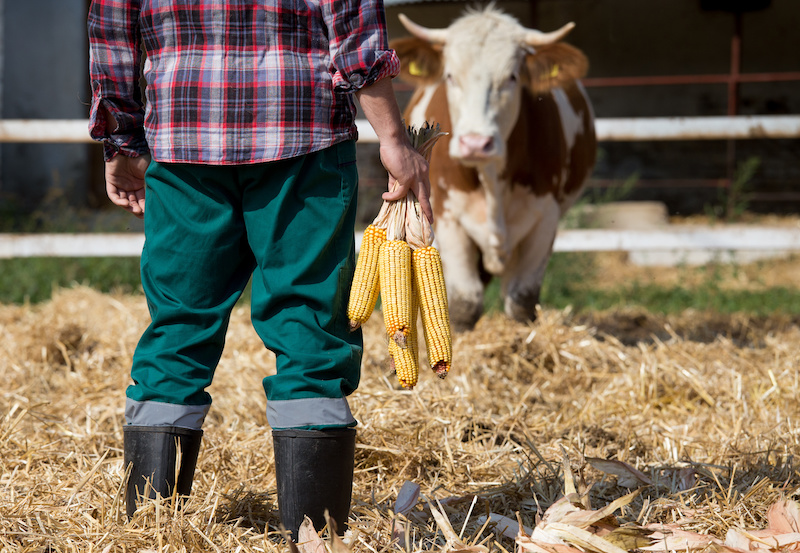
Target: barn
column 661, row 58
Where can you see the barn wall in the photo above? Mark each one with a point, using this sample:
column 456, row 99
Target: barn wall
column 44, row 77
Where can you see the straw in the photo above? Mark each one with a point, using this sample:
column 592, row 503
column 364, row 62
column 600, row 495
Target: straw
column 696, row 412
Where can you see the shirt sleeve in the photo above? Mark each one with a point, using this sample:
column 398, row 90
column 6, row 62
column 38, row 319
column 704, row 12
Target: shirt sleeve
column 114, row 71
column 359, row 45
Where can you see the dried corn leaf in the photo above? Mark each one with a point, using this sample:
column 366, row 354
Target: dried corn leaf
column 630, row 537
column 762, row 539
column 784, row 516
column 336, row 543
column 527, row 545
column 407, row 498
column 565, row 505
column 627, row 475
column 586, row 518
column 308, row 541
column 582, row 538
column 504, row 525
column 671, row 537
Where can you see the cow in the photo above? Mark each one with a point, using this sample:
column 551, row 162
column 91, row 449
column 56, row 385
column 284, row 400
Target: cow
column 520, row 147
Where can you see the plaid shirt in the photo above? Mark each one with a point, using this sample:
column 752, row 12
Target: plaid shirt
column 235, row 81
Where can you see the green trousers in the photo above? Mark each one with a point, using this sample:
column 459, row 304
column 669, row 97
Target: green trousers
column 208, row 229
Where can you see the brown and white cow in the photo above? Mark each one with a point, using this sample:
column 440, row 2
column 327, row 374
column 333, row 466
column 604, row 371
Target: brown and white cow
column 521, row 146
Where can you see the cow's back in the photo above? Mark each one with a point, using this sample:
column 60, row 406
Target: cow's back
column 553, row 146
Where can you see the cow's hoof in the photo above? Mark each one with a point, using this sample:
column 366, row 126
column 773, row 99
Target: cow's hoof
column 522, row 316
column 522, row 307
column 464, row 315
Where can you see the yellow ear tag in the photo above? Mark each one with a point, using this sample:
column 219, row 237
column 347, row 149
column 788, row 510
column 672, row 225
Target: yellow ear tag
column 554, row 71
column 415, row 69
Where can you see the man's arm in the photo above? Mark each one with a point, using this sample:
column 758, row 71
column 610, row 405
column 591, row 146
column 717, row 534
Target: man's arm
column 364, row 65
column 408, row 170
column 117, row 113
column 124, row 174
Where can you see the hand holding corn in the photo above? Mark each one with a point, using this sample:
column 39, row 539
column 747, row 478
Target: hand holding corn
column 397, row 260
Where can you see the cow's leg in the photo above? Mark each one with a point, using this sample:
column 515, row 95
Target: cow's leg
column 460, row 263
column 522, row 281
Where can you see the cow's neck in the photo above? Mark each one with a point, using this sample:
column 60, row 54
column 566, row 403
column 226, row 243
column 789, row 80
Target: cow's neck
column 496, row 256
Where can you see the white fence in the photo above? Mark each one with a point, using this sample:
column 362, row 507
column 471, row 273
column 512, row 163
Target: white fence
column 684, row 238
column 608, row 129
column 618, row 129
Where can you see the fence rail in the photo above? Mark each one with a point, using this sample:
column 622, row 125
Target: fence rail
column 608, row 129
column 671, row 239
column 737, row 127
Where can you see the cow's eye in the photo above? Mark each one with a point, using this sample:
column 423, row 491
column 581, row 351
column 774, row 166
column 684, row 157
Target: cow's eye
column 510, row 82
column 449, row 78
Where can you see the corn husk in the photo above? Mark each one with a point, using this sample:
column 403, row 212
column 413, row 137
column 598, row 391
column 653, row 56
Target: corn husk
column 419, row 232
column 403, row 219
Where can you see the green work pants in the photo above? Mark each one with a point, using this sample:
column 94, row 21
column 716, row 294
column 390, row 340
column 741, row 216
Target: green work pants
column 208, row 229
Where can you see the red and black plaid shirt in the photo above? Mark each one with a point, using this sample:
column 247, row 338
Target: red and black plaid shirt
column 232, row 82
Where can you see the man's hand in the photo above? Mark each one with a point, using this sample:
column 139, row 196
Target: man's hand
column 125, row 182
column 408, row 170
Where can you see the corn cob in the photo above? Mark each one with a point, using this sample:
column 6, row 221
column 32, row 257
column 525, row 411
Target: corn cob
column 405, row 361
column 394, row 269
column 408, row 229
column 366, row 282
column 432, row 295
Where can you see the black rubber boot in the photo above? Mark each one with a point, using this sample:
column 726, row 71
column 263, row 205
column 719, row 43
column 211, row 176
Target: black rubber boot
column 314, row 470
column 152, row 451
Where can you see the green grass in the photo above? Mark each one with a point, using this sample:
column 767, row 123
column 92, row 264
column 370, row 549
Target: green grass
column 675, row 300
column 567, row 283
column 34, row 279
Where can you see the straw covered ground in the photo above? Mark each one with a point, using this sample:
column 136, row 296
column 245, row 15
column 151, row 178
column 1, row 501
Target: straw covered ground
column 696, row 414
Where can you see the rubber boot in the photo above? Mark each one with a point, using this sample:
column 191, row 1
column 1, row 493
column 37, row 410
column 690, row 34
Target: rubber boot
column 314, row 471
column 153, row 451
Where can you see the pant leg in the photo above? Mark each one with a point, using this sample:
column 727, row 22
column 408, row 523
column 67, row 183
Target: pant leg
column 195, row 265
column 300, row 218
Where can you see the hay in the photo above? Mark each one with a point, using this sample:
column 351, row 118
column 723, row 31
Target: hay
column 697, row 412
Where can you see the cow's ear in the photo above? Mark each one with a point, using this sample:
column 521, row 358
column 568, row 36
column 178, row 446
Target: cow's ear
column 552, row 66
column 420, row 61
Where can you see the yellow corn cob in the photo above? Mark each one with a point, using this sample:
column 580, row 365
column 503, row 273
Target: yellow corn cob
column 394, row 269
column 366, row 282
column 405, row 361
column 430, row 287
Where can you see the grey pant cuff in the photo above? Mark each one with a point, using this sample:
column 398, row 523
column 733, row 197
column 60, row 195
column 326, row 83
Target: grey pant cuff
column 154, row 413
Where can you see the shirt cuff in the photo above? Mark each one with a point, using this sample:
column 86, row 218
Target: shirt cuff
column 128, row 141
column 128, row 145
column 386, row 65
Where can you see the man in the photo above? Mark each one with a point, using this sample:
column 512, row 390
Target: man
column 249, row 121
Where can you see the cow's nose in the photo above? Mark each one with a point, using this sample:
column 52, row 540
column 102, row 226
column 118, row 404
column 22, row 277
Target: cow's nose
column 475, row 145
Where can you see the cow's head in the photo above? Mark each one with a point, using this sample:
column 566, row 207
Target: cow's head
column 486, row 58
